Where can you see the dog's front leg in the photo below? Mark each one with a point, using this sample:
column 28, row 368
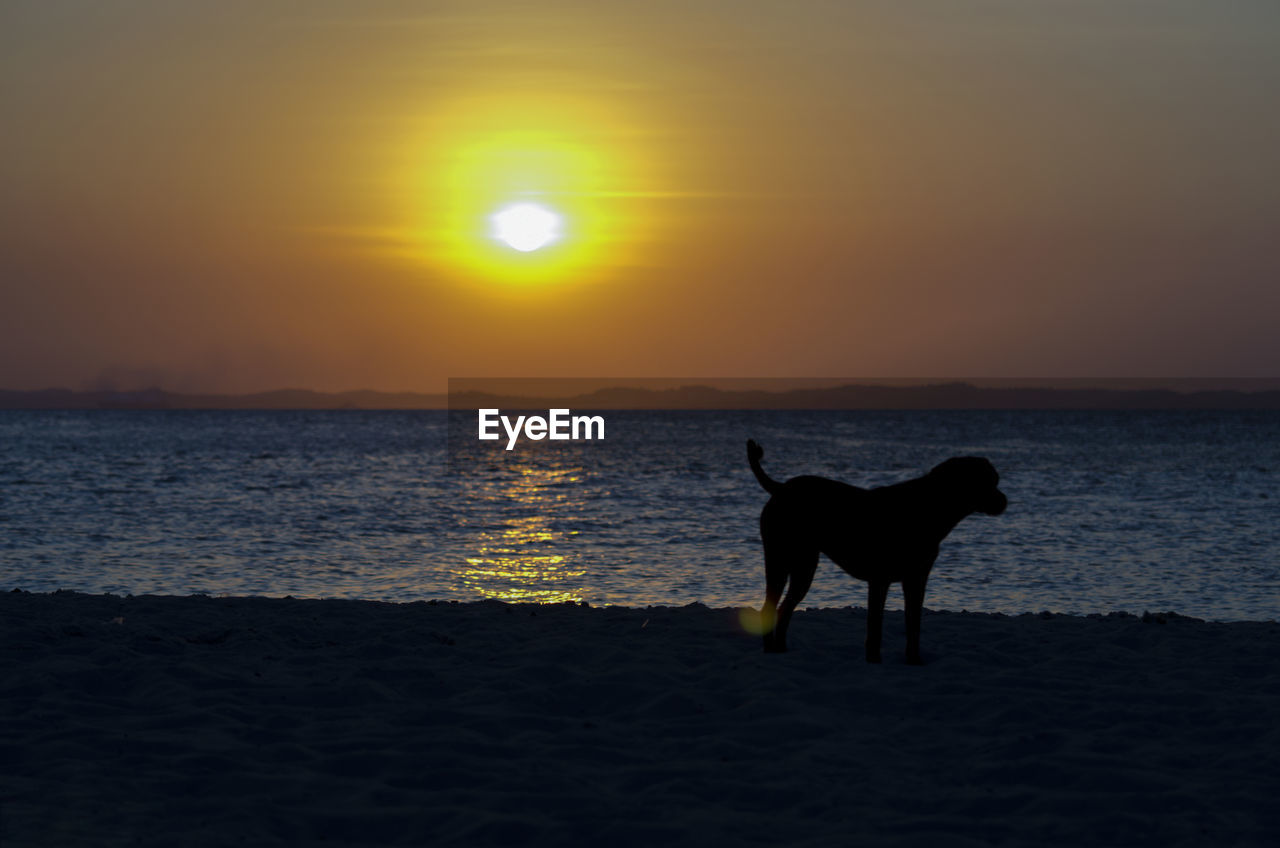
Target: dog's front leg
column 913, row 595
column 877, row 591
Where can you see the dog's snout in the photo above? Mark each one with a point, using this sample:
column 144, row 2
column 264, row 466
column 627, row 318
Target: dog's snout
column 996, row 503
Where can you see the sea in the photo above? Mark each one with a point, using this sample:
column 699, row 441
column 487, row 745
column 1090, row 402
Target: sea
column 1161, row 511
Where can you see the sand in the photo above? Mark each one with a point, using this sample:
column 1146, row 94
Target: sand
column 229, row 721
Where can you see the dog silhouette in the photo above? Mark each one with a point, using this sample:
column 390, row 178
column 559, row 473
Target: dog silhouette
column 889, row 534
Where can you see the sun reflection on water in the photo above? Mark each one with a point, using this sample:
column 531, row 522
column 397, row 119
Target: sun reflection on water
column 525, row 558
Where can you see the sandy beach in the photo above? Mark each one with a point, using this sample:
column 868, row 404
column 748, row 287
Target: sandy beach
column 226, row 721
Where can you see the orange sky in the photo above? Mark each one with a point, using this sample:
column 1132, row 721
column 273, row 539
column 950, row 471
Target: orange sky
column 240, row 196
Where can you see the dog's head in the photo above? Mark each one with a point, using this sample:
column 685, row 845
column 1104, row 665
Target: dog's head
column 973, row 481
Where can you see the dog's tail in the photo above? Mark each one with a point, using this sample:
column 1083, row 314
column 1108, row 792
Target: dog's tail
column 754, row 454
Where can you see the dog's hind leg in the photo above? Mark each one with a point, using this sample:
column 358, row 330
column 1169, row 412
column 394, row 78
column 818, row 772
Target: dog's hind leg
column 803, row 566
column 877, row 592
column 776, row 568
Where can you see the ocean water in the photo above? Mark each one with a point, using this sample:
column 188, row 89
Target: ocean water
column 1167, row 511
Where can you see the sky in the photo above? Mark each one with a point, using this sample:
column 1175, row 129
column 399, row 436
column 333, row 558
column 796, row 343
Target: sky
column 243, row 196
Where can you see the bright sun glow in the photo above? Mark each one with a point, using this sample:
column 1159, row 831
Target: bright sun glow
column 526, row 227
column 523, row 191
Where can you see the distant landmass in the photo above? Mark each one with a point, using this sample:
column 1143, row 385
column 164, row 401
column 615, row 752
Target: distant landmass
column 941, row 396
column 957, row 395
column 162, row 399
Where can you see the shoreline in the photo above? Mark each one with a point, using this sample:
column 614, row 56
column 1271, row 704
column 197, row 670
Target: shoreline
column 1144, row 615
column 206, row 721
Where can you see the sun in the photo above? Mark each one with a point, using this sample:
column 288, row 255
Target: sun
column 526, row 227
